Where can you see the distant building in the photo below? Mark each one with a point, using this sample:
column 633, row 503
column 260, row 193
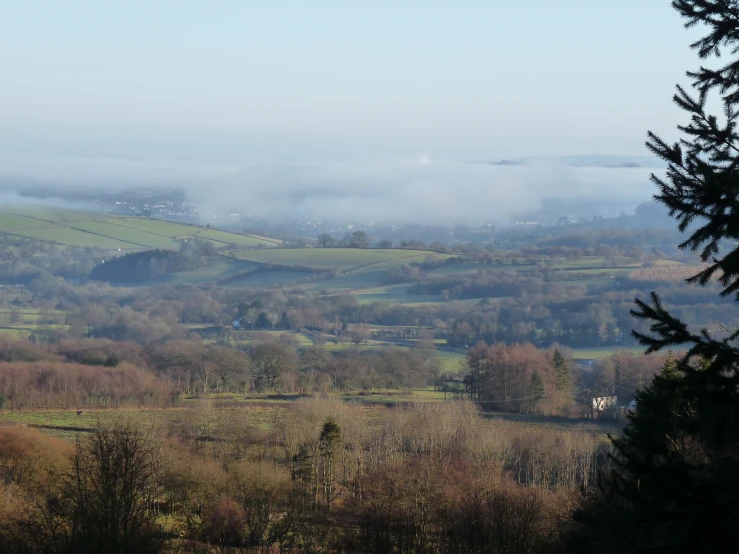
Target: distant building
column 603, row 403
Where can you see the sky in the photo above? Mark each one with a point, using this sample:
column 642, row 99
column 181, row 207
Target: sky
column 200, row 93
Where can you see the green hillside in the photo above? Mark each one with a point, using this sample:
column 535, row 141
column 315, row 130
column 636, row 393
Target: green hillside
column 251, row 261
column 72, row 228
column 344, row 259
column 356, row 268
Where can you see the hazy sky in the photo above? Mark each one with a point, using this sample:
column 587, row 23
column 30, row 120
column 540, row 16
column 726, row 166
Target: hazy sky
column 175, row 83
column 537, row 77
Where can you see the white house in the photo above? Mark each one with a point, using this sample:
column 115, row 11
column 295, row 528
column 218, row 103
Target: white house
column 602, row 403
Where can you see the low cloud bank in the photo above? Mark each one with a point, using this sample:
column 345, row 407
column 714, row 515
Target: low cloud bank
column 418, row 189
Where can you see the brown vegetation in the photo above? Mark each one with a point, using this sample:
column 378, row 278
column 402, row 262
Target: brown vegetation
column 55, row 384
column 328, row 477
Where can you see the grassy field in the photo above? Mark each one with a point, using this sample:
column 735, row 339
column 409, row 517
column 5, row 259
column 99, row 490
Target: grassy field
column 356, row 268
column 225, row 270
column 451, row 361
column 397, row 294
column 261, row 412
column 29, row 315
column 115, row 232
column 28, row 321
column 359, row 271
column 274, row 277
column 304, row 339
column 366, row 281
column 15, row 332
column 264, row 410
column 600, row 352
column 344, row 259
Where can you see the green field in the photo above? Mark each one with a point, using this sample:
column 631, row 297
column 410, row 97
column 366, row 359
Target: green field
column 345, row 260
column 50, row 419
column 600, row 352
column 115, row 232
column 225, row 270
column 28, row 321
column 356, row 268
column 253, row 262
column 304, row 339
column 274, row 277
column 397, row 294
column 451, row 361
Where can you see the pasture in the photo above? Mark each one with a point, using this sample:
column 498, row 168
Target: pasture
column 79, row 229
column 264, row 410
column 601, row 352
column 345, row 260
column 306, row 268
column 19, row 323
column 225, row 271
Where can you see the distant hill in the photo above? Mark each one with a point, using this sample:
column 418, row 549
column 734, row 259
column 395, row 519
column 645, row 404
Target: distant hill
column 84, row 229
column 608, row 161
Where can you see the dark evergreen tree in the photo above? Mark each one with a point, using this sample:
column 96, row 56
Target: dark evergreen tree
column 675, row 484
column 536, row 388
column 263, row 321
column 477, row 365
column 283, row 322
column 330, row 442
column 647, row 501
column 561, row 372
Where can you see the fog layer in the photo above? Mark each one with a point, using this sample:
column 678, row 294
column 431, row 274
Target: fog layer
column 387, row 188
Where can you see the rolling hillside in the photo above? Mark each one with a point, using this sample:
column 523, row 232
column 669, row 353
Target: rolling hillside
column 80, row 229
column 345, row 260
column 325, row 269
column 251, row 262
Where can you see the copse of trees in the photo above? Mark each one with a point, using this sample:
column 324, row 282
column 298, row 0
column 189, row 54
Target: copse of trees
column 150, row 264
column 500, row 377
column 522, row 378
column 328, row 476
column 358, row 239
column 102, row 373
column 100, row 502
column 535, row 307
column 55, row 385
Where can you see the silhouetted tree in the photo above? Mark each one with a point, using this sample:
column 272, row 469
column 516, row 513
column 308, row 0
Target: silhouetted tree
column 271, row 360
column 561, row 372
column 329, row 446
column 110, row 489
column 263, row 321
column 359, row 239
column 325, row 240
column 675, row 487
column 536, row 388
